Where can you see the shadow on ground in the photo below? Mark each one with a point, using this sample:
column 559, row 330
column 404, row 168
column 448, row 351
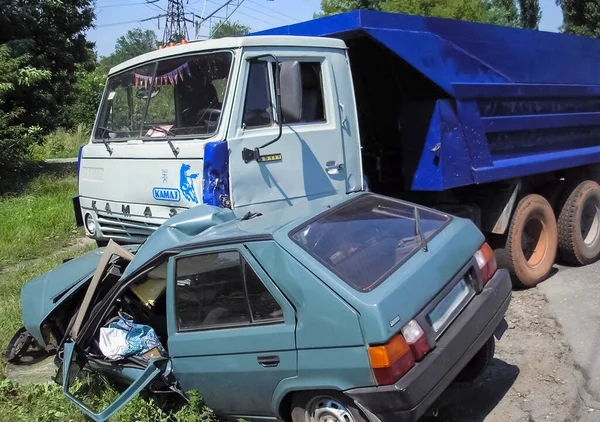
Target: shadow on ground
column 473, row 402
column 15, row 181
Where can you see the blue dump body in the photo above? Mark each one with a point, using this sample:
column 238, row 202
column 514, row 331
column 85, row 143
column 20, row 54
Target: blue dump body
column 478, row 103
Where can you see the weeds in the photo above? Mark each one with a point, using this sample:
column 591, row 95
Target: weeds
column 61, row 144
column 38, row 221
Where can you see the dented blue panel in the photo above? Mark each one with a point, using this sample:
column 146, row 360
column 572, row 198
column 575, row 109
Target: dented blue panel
column 215, row 189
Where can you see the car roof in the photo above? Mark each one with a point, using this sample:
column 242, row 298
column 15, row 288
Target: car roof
column 206, row 225
column 228, row 44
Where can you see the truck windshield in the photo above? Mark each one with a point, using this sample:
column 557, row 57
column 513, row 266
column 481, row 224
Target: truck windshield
column 367, row 239
column 175, row 97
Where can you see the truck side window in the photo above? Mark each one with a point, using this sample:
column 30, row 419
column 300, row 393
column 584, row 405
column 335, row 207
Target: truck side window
column 258, row 106
column 312, row 93
column 219, row 290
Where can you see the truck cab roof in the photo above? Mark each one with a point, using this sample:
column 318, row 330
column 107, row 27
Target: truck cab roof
column 230, row 43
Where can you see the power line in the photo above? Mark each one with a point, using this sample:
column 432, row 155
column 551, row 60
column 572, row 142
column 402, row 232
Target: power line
column 264, row 13
column 273, row 10
column 119, row 5
column 116, row 23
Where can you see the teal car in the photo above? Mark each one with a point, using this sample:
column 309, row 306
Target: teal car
column 352, row 309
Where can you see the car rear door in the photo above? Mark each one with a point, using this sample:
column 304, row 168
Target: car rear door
column 231, row 331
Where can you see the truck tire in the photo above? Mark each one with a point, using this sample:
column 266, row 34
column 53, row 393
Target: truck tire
column 532, row 241
column 312, row 406
column 579, row 225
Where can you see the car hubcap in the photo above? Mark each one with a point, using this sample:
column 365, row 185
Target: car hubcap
column 327, row 409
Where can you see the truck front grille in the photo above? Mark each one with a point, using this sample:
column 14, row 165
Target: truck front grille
column 122, row 228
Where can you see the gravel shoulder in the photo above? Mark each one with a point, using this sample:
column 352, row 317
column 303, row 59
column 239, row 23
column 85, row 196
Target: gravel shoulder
column 532, row 378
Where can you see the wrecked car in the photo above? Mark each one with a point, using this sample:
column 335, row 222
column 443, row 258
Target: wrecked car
column 358, row 308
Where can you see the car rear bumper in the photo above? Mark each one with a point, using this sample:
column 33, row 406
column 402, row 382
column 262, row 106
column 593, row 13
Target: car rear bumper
column 409, row 398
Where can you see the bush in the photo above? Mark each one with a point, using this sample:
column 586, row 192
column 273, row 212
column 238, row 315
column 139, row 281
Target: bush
column 61, row 143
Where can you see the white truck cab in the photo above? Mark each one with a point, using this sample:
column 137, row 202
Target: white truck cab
column 206, row 122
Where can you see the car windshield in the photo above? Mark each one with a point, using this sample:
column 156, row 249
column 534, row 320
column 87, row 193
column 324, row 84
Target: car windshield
column 175, row 97
column 366, row 239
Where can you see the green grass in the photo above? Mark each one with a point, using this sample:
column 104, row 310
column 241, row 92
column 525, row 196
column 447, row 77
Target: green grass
column 61, row 144
column 39, row 220
column 36, row 223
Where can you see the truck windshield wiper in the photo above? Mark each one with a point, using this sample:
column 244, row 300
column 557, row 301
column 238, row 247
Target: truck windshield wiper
column 418, row 230
column 105, row 140
column 168, row 133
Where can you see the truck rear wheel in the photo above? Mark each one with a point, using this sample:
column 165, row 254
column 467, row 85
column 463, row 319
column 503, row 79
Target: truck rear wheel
column 579, row 225
column 532, row 241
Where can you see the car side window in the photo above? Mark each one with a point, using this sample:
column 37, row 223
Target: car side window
column 221, row 289
column 258, row 106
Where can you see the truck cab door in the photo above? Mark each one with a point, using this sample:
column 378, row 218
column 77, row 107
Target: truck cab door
column 231, row 331
column 310, row 160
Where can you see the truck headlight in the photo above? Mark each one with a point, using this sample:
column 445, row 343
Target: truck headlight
column 90, row 224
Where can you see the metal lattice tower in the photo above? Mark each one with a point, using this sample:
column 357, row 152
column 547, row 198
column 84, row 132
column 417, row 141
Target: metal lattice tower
column 175, row 25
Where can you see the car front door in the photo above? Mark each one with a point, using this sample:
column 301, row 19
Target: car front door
column 310, row 159
column 231, row 331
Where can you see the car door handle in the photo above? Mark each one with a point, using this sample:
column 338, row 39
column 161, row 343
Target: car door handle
column 333, row 168
column 268, row 361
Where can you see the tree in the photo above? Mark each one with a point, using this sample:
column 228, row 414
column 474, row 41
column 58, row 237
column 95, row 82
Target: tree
column 332, row 7
column 49, row 36
column 469, row 10
column 15, row 137
column 130, row 45
column 580, row 17
column 530, row 14
column 499, row 12
column 229, row 29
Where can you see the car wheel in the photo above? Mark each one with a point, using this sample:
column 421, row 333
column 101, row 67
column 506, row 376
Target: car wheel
column 532, row 241
column 579, row 225
column 324, row 407
column 477, row 366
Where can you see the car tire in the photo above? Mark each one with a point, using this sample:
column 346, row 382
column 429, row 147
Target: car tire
column 478, row 364
column 315, row 406
column 532, row 240
column 579, row 225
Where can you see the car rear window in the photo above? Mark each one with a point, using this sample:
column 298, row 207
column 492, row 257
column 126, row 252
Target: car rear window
column 365, row 240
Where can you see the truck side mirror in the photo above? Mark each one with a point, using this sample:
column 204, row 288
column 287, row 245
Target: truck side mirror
column 290, row 78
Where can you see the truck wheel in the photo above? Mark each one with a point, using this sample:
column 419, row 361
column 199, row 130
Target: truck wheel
column 324, row 407
column 579, row 225
column 532, row 241
column 477, row 366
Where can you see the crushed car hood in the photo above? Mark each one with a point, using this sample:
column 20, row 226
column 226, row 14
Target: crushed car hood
column 43, row 294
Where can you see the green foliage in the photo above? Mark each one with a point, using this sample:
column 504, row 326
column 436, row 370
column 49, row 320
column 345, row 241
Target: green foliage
column 332, row 7
column 40, row 218
column 581, row 17
column 229, row 29
column 22, row 402
column 499, row 12
column 469, row 10
column 88, row 91
column 41, row 45
column 61, row 143
column 134, row 43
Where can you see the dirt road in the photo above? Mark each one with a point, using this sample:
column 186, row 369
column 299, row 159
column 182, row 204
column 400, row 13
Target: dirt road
column 533, row 377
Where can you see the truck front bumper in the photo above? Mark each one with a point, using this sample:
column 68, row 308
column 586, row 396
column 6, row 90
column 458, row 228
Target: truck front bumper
column 413, row 394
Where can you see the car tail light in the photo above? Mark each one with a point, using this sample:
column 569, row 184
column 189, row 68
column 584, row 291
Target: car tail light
column 416, row 339
column 487, row 262
column 391, row 361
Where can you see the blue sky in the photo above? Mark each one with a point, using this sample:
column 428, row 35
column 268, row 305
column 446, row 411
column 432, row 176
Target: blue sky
column 116, row 17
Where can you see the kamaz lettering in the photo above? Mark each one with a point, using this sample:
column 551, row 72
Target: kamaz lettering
column 166, row 194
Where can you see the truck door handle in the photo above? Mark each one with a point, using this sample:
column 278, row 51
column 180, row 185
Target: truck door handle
column 333, row 168
column 268, row 361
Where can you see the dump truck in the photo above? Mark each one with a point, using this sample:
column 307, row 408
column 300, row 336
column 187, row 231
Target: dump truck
column 496, row 124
